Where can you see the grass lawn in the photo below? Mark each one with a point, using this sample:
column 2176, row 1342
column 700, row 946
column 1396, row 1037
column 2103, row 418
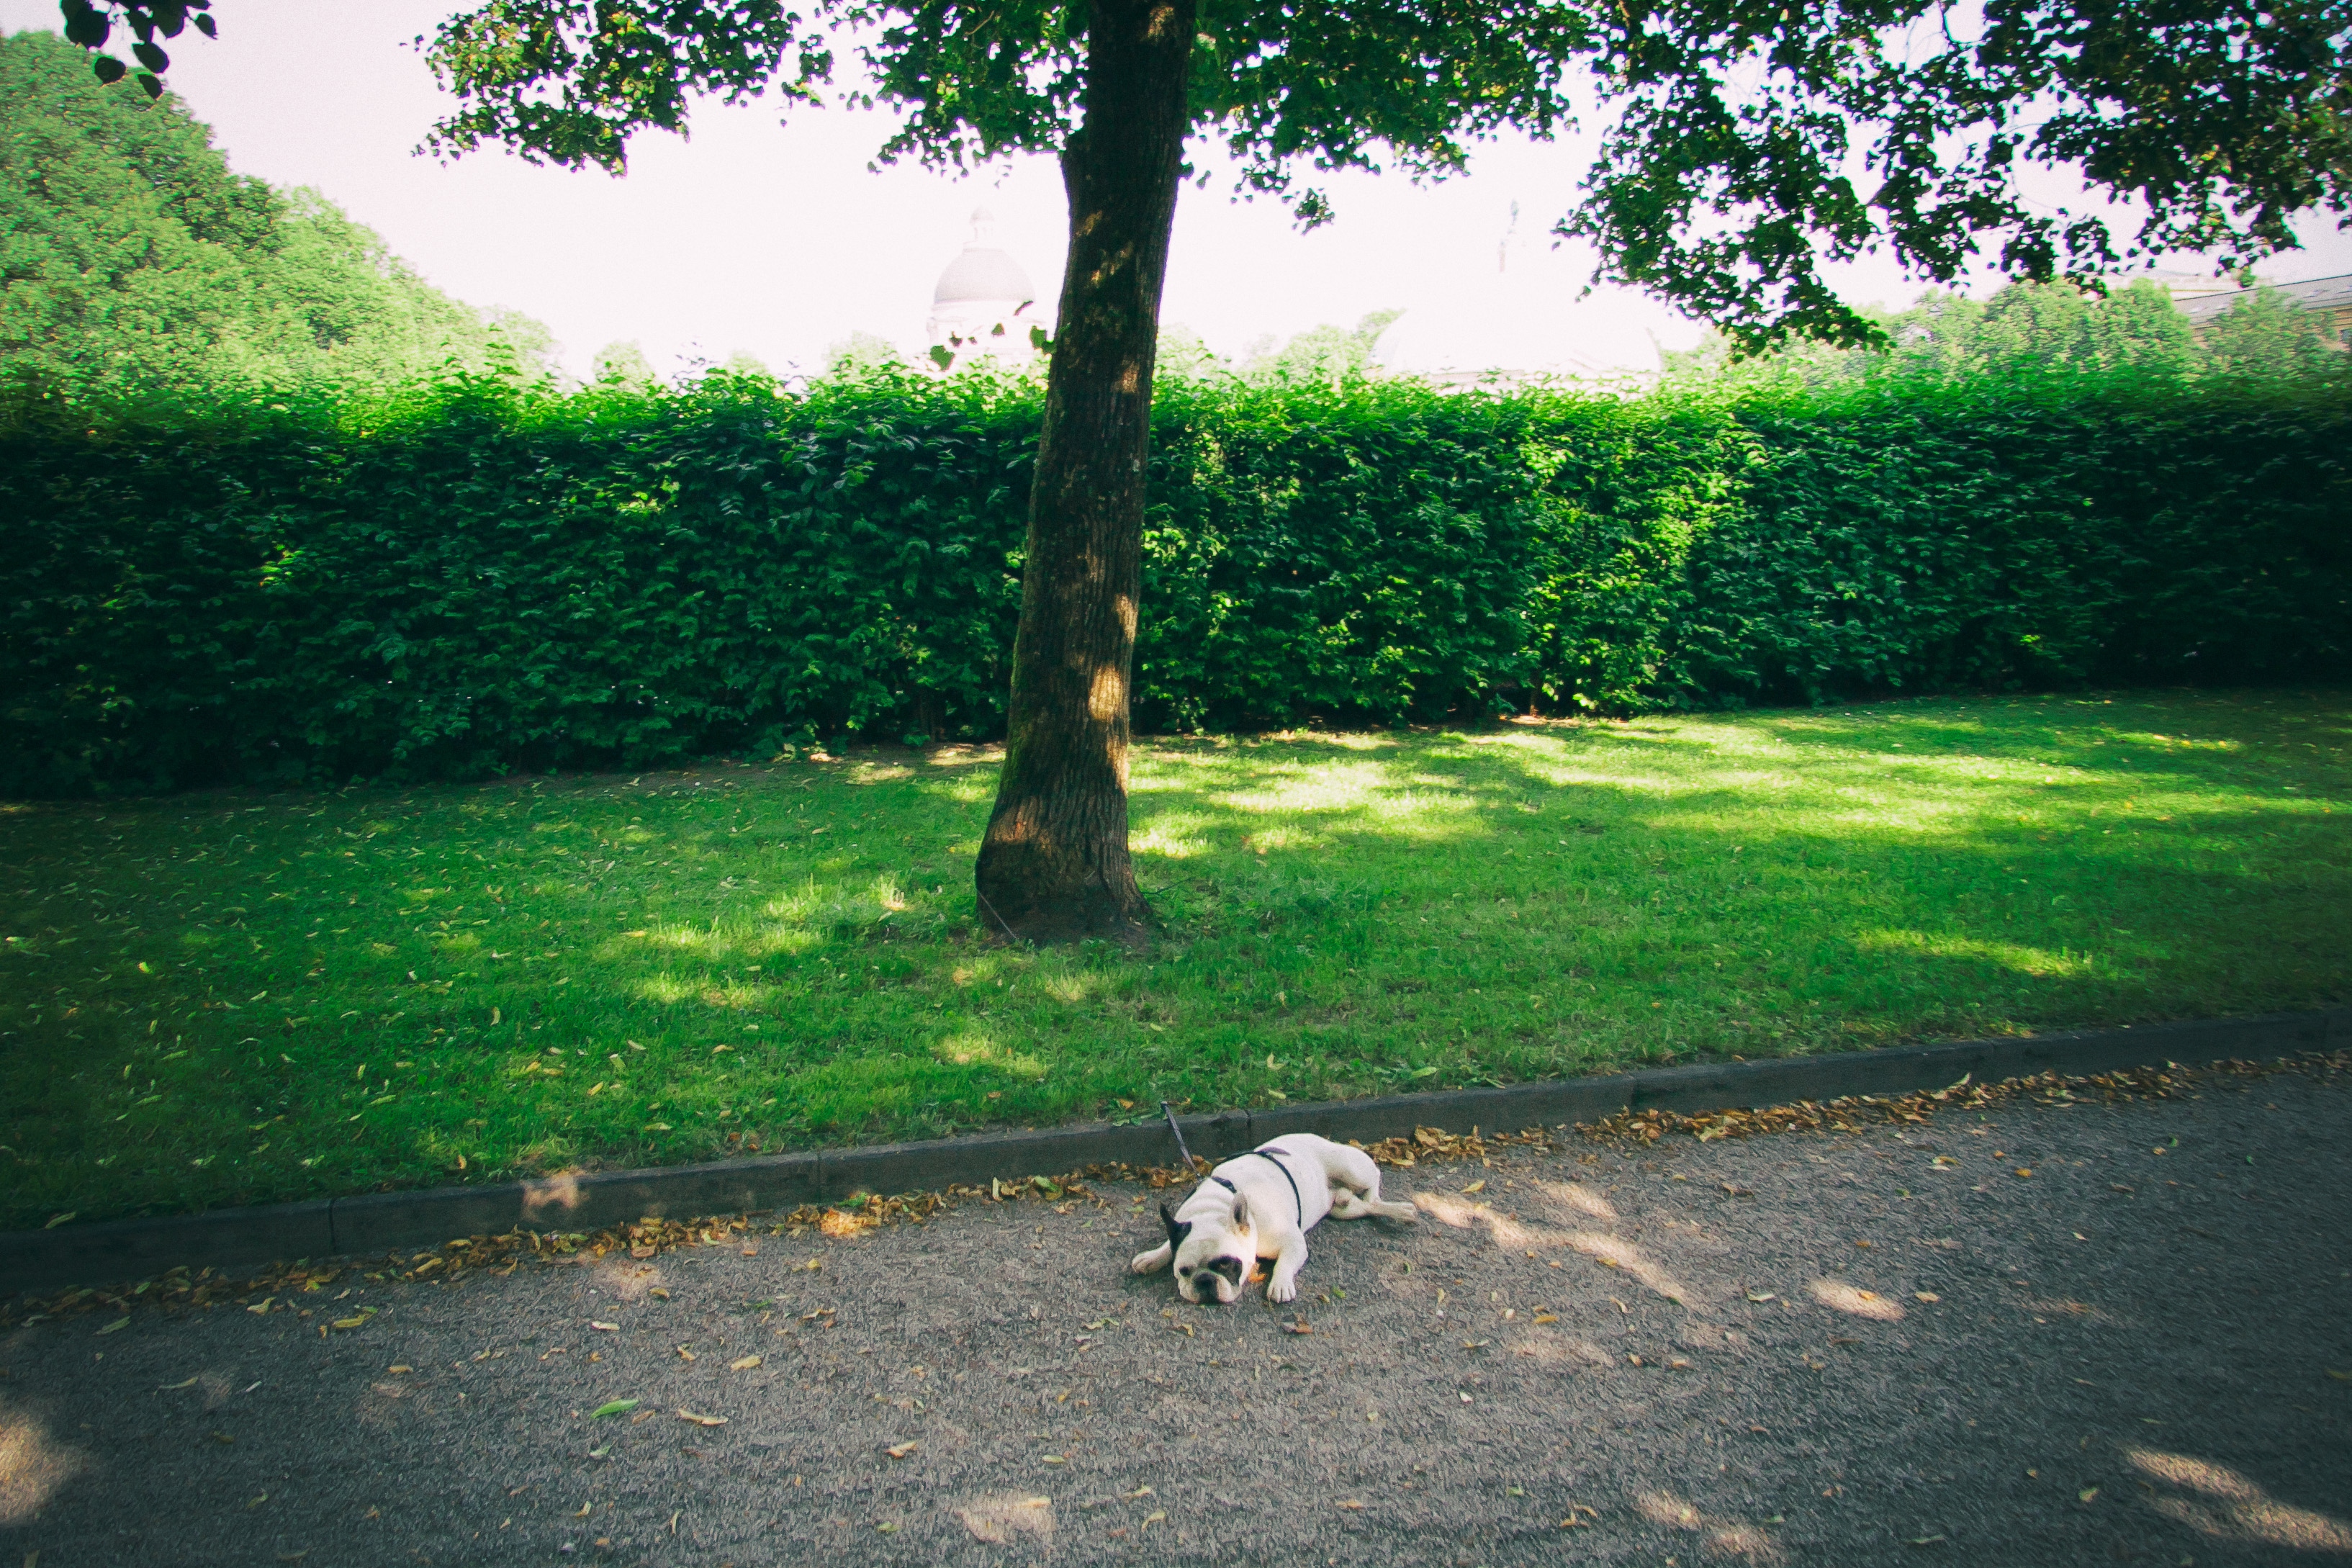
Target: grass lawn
column 236, row 998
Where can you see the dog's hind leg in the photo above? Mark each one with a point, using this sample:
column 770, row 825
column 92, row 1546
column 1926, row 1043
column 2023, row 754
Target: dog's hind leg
column 1347, row 1204
column 1356, row 1191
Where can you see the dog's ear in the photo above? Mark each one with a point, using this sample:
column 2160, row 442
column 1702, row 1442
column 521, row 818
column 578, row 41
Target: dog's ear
column 1176, row 1229
column 1241, row 1212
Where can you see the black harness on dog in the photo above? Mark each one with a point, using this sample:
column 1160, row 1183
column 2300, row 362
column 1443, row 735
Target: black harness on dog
column 1267, row 1154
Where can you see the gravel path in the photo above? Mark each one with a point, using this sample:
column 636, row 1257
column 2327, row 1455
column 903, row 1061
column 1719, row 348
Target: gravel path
column 1797, row 1348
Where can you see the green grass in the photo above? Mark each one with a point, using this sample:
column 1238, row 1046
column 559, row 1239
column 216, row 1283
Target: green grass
column 243, row 997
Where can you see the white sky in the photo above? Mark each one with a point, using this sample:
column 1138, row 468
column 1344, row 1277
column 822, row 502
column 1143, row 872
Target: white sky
column 779, row 241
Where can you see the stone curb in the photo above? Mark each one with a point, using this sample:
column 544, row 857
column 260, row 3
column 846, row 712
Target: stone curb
column 117, row 1250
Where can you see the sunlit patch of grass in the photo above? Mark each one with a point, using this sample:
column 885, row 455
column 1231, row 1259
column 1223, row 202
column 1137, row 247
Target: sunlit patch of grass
column 979, row 1050
column 2007, row 956
column 328, row 992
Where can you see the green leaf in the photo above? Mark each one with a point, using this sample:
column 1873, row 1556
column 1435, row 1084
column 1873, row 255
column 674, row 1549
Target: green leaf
column 614, row 1407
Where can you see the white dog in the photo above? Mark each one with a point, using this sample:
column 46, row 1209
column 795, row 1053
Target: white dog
column 1262, row 1205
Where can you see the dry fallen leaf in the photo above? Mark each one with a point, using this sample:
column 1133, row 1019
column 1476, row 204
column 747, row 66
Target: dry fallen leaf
column 2088, row 1493
column 1547, row 1317
column 743, row 1364
column 1760, row 1295
column 169, row 1387
column 1472, row 1187
column 1351, row 1505
column 605, row 1328
column 1301, row 1327
column 2024, row 1170
column 1927, row 1296
column 702, row 1420
column 399, row 1367
column 120, row 1323
column 900, row 1450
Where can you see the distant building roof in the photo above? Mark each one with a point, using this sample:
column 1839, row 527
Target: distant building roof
column 982, row 271
column 2312, row 294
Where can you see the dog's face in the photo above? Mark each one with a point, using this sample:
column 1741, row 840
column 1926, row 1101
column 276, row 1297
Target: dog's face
column 1213, row 1255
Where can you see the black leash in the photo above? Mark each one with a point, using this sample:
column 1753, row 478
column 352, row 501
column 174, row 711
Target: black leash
column 1267, row 1154
column 1180, row 1134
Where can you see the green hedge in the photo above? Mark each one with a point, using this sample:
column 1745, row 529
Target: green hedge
column 472, row 578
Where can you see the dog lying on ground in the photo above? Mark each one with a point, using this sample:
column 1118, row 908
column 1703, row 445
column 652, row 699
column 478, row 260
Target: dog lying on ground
column 1262, row 1205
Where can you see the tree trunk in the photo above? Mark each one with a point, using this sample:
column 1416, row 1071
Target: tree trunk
column 1053, row 865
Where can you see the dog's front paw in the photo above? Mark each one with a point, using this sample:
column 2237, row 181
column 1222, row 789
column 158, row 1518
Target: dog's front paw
column 1281, row 1289
column 1152, row 1262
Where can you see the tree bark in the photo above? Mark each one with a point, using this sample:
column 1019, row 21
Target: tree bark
column 1053, row 865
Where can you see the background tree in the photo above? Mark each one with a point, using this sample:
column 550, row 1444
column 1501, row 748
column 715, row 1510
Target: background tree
column 622, row 365
column 1750, row 140
column 1324, row 352
column 2268, row 335
column 137, row 260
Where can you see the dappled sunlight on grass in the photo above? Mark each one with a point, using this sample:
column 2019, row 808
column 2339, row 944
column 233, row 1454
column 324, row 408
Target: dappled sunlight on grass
column 981, row 1050
column 204, row 992
column 2007, row 954
column 737, row 995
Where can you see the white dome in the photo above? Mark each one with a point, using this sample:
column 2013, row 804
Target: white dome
column 1512, row 327
column 983, row 271
column 984, row 303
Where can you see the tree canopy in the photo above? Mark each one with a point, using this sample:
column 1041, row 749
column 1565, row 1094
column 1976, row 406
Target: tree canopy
column 1747, row 142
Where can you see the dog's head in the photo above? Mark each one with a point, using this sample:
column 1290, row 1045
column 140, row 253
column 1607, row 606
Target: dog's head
column 1213, row 1254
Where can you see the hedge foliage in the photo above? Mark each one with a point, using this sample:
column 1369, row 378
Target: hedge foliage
column 473, row 577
